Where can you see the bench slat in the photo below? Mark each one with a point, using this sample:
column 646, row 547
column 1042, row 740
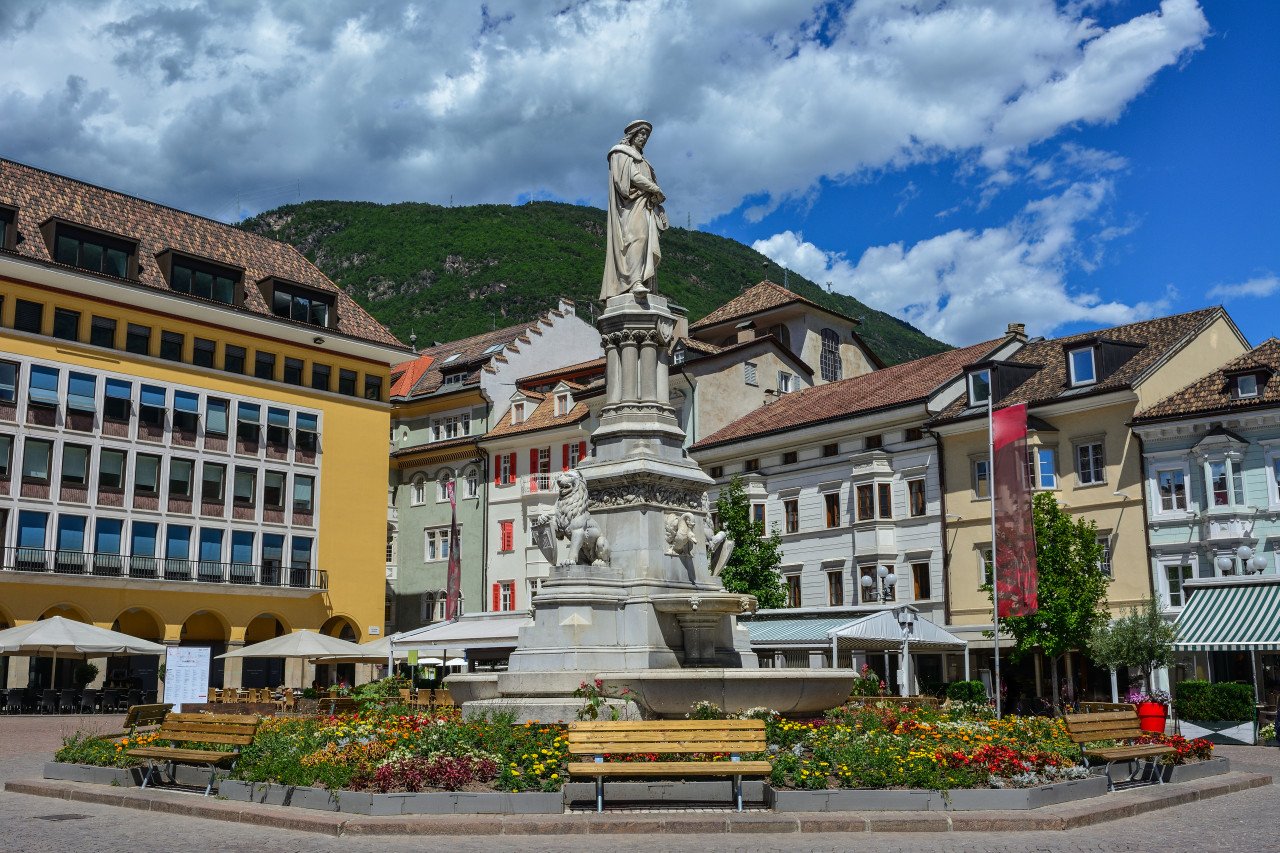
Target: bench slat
column 1116, row 753
column 243, row 719
column 201, row 756
column 211, row 728
column 1119, row 734
column 615, row 748
column 662, row 725
column 670, row 768
column 226, row 740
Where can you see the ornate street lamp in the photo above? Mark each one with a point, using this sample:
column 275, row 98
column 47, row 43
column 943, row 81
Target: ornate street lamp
column 884, row 583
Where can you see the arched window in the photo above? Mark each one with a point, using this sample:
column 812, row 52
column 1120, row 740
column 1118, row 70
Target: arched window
column 429, row 607
column 473, row 483
column 418, row 494
column 443, row 479
column 830, row 360
column 782, row 333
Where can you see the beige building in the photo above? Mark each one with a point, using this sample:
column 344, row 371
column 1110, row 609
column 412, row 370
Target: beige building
column 1082, row 392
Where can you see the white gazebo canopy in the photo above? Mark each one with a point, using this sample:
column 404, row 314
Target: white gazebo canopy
column 469, row 632
column 882, row 632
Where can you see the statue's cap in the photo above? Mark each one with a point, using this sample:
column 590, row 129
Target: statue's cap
column 636, row 125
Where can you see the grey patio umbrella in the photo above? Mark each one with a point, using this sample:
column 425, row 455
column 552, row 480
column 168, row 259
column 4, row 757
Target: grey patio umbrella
column 69, row 638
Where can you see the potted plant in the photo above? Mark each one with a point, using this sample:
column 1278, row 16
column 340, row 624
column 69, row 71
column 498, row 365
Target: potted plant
column 1223, row 713
column 83, row 674
column 1267, row 735
column 1153, row 708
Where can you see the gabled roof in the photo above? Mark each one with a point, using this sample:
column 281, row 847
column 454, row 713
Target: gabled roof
column 1157, row 340
column 471, row 355
column 766, row 340
column 1211, row 394
column 40, row 196
column 909, row 382
column 542, row 417
column 405, row 376
column 757, row 299
column 568, row 373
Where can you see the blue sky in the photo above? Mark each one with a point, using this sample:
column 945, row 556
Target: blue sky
column 962, row 165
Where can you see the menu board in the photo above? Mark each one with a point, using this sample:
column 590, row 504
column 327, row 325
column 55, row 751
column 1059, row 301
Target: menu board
column 186, row 675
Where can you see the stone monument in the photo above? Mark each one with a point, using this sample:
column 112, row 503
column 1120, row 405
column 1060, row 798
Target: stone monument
column 633, row 599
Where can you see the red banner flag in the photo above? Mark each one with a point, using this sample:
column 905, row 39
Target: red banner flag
column 1015, row 545
column 453, row 587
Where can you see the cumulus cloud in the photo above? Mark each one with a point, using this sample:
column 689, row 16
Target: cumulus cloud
column 965, row 285
column 198, row 101
column 1258, row 287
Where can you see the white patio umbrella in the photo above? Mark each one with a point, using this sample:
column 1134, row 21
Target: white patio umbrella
column 308, row 645
column 456, row 662
column 69, row 638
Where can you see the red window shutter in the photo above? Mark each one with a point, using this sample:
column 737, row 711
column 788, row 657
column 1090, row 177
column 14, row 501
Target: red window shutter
column 533, row 469
column 507, row 529
column 511, row 468
column 497, row 596
column 582, row 451
column 513, row 595
column 497, row 470
column 564, row 457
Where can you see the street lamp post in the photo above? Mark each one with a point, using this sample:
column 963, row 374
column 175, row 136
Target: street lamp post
column 906, row 620
column 884, row 583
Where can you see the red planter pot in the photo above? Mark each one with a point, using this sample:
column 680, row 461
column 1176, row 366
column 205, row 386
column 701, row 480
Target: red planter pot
column 1152, row 716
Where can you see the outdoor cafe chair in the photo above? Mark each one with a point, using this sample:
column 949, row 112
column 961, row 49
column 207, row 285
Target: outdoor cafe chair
column 110, row 699
column 134, row 697
column 49, row 701
column 89, row 700
column 67, row 703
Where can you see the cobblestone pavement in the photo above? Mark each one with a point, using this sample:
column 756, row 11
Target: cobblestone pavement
column 1242, row 823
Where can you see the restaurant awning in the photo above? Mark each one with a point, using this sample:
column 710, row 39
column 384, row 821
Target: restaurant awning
column 881, row 632
column 793, row 632
column 1240, row 617
column 469, row 632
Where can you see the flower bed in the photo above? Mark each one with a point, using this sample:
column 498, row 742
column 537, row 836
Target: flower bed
column 395, row 751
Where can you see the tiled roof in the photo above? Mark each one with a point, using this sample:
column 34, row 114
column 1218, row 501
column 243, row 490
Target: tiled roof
column 1212, row 393
column 903, row 383
column 761, row 297
column 434, row 445
column 1158, row 338
column 542, row 417
column 473, row 354
column 405, row 376
column 582, row 368
column 705, row 351
column 40, row 195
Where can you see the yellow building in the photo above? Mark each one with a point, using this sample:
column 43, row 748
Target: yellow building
column 1081, row 394
column 193, row 426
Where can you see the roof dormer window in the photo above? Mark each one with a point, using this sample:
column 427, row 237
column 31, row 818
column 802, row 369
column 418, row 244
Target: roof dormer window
column 1083, row 369
column 517, row 413
column 302, row 304
column 92, row 251
column 453, row 378
column 203, row 279
column 563, row 403
column 1246, row 385
column 979, row 387
column 8, row 230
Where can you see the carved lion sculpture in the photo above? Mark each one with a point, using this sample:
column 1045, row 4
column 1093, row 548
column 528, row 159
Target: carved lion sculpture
column 572, row 521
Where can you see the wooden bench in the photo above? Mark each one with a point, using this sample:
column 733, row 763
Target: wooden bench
column 335, row 705
column 904, row 702
column 1102, row 707
column 668, row 737
column 146, row 717
column 220, row 729
column 1122, row 726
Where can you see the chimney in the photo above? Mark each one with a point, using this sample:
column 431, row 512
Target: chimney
column 1017, row 330
column 746, row 331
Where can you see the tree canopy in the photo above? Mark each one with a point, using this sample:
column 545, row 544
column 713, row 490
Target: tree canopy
column 753, row 565
column 1141, row 640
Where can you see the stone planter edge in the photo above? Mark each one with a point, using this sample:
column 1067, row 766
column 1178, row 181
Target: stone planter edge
column 384, row 805
column 961, row 799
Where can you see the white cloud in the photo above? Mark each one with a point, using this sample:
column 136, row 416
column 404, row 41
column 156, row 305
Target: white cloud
column 196, row 102
column 966, row 285
column 1259, row 286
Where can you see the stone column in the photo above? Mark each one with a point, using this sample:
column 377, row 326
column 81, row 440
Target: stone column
column 630, row 366
column 233, row 668
column 612, row 368
column 648, row 366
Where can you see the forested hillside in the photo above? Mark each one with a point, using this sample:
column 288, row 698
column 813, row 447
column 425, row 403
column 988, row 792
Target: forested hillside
column 448, row 272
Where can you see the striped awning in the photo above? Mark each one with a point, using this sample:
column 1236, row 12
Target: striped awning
column 1231, row 618
column 812, row 631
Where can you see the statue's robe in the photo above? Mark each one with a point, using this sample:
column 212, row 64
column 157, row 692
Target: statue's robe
column 632, row 253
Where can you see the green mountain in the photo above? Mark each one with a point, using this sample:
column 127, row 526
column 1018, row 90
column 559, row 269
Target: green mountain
column 450, row 272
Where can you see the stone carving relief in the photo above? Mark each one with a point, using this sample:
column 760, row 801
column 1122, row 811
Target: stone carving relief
column 719, row 545
column 644, row 493
column 680, row 533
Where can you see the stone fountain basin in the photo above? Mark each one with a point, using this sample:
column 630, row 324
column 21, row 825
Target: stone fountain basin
column 706, row 603
column 796, row 692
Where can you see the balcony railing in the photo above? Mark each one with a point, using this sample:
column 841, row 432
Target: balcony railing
column 538, row 484
column 18, row 559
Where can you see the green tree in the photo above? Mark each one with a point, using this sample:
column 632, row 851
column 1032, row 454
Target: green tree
column 1072, row 589
column 1141, row 640
column 753, row 565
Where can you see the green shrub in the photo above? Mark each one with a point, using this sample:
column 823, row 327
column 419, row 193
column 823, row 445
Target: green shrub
column 967, row 691
column 1204, row 700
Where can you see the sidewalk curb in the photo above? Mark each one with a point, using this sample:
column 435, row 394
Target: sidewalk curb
column 1049, row 818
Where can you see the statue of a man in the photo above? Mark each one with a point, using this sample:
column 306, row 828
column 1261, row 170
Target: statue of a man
column 635, row 217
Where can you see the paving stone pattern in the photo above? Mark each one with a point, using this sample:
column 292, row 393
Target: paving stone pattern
column 1243, row 822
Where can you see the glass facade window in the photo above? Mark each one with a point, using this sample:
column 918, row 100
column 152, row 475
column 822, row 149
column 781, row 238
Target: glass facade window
column 242, row 556
column 6, row 456
column 272, row 557
column 181, row 474
column 177, row 542
column 66, row 324
column 28, row 316
column 233, row 359
column 152, row 406
column 8, row 382
column 107, row 536
column 835, row 589
column 102, row 332
column 43, row 388
column 215, row 416
column 211, row 545
column 82, row 392
column 116, row 403
column 303, row 493
column 146, row 474
column 884, row 500
column 248, row 416
column 866, row 501
column 171, row 345
column 246, row 486
column 203, row 352
column 1090, row 466
column 273, row 490
column 831, row 505
column 35, row 460
column 137, row 339
column 75, row 465
column 307, row 435
column 186, row 412
column 71, row 532
column 142, row 541
column 1226, row 483
column 829, row 360
column 922, row 586
column 111, row 469
column 278, row 427
column 213, row 479
column 264, row 365
column 981, row 478
column 32, row 528
column 1175, row 577
column 292, row 371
